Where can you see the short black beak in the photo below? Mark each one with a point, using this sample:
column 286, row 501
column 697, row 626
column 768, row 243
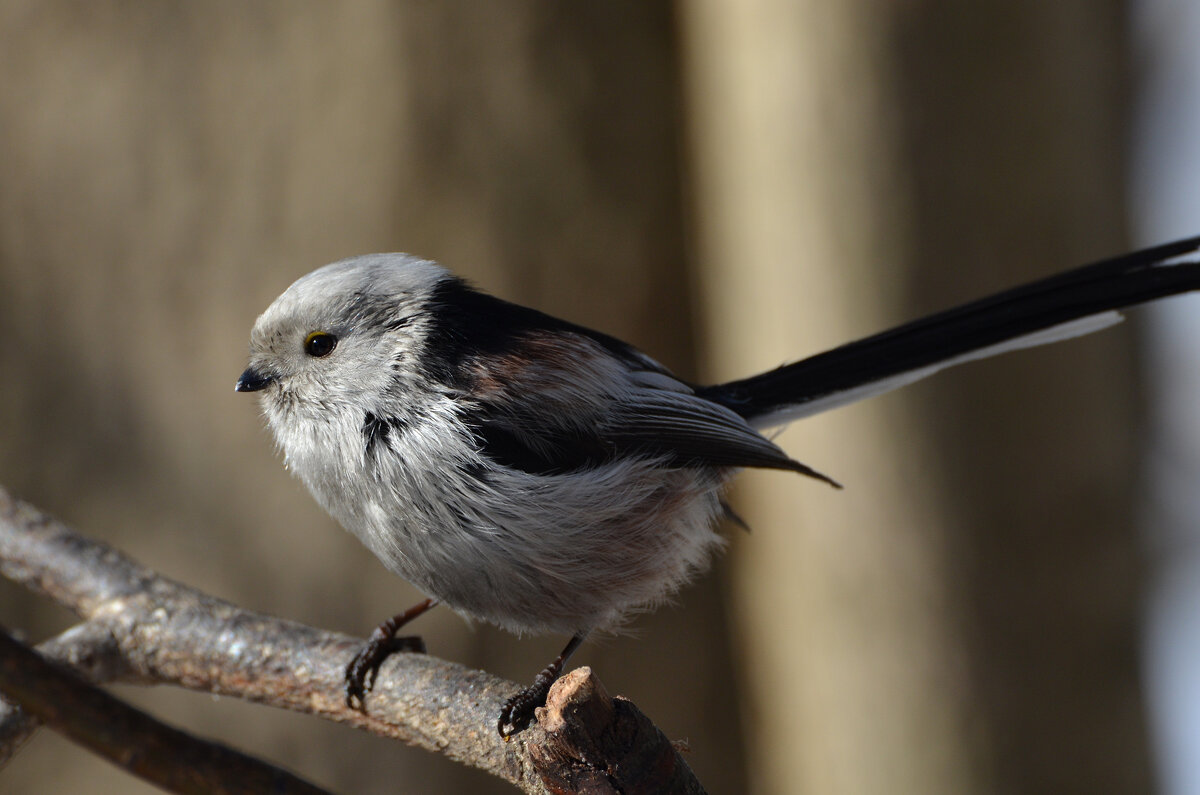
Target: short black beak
column 252, row 381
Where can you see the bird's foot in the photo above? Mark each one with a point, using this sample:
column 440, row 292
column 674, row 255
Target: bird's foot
column 518, row 711
column 362, row 670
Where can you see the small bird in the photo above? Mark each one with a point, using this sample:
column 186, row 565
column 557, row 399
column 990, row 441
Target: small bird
column 548, row 478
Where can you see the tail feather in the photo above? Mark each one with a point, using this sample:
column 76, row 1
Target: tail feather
column 1067, row 305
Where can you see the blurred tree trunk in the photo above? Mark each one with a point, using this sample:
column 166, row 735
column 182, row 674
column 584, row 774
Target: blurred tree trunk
column 1016, row 126
column 961, row 618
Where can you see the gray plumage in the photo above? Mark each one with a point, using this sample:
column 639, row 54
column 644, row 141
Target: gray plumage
column 392, row 453
column 548, row 478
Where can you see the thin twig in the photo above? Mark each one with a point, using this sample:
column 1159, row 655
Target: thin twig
column 91, row 651
column 129, row 738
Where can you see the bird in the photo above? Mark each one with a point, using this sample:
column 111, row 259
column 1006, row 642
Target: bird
column 545, row 477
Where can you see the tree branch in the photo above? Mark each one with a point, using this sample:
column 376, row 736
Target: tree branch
column 130, row 738
column 88, row 649
column 145, row 628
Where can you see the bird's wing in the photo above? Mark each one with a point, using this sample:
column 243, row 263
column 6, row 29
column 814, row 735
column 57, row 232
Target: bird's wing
column 562, row 401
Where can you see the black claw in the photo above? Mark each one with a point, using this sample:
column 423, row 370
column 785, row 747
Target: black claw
column 364, row 668
column 383, row 643
column 519, row 710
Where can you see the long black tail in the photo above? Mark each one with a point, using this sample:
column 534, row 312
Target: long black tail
column 1076, row 302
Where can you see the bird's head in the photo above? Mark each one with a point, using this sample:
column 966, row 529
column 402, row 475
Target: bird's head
column 341, row 338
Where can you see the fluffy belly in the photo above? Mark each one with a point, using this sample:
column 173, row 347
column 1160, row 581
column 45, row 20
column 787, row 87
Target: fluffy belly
column 551, row 554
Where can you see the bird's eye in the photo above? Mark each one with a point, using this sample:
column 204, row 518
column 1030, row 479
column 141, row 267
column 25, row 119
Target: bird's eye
column 319, row 344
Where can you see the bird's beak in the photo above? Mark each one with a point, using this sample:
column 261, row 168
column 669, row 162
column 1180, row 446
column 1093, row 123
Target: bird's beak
column 252, row 381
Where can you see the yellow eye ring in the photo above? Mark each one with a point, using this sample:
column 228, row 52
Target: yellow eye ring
column 319, row 344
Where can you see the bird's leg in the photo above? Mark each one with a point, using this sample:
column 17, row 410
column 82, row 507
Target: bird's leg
column 362, row 670
column 518, row 710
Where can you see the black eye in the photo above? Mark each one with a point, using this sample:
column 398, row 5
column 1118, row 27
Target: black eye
column 319, row 343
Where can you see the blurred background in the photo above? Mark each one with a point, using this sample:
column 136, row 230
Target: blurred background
column 1000, row 601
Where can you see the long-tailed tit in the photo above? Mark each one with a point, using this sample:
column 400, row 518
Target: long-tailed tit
column 547, row 478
